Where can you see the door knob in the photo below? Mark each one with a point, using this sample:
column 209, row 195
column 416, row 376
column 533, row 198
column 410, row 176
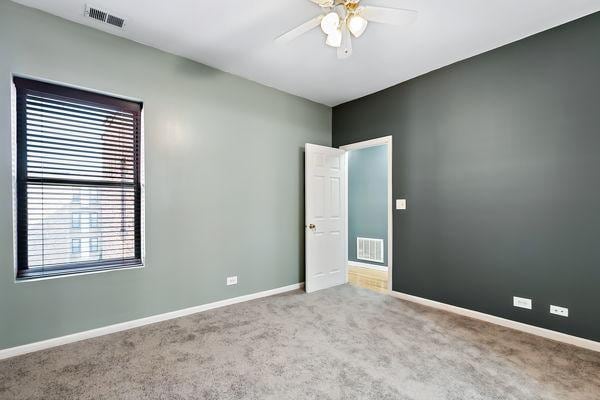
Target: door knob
column 311, row 226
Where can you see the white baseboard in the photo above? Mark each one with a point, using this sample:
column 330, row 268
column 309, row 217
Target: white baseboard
column 367, row 265
column 105, row 330
column 519, row 326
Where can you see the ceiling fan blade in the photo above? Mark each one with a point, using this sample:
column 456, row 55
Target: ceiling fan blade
column 384, row 15
column 299, row 30
column 345, row 49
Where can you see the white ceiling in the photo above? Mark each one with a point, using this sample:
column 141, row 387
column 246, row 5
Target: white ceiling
column 237, row 36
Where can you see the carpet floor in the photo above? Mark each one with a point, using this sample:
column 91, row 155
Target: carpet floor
column 341, row 343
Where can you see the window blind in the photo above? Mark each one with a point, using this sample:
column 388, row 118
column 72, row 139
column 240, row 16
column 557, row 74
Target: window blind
column 78, row 180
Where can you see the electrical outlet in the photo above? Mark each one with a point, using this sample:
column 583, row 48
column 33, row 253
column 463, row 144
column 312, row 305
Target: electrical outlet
column 231, row 280
column 562, row 311
column 522, row 302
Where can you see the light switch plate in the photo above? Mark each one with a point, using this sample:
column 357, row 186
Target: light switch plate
column 522, row 302
column 400, row 204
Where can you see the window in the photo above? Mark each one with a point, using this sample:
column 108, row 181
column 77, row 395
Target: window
column 93, row 245
column 76, row 149
column 93, row 196
column 75, row 246
column 94, row 220
column 75, row 220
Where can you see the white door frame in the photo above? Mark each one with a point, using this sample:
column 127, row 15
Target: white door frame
column 362, row 145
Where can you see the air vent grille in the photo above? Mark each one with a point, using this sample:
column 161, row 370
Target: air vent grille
column 97, row 14
column 116, row 21
column 369, row 249
column 104, row 16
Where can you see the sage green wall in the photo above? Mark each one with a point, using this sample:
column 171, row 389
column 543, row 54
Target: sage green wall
column 224, row 179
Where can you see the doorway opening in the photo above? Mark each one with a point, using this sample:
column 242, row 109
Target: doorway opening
column 369, row 213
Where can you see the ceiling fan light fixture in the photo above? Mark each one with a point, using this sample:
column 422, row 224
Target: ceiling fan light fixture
column 330, row 23
column 341, row 20
column 357, row 25
column 334, row 39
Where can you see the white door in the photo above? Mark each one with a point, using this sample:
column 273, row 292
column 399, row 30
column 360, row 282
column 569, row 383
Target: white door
column 325, row 176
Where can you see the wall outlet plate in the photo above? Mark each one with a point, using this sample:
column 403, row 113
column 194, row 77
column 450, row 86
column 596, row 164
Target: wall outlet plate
column 231, row 280
column 400, row 204
column 562, row 311
column 522, row 302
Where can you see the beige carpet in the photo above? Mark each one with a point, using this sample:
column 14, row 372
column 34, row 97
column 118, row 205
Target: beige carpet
column 342, row 343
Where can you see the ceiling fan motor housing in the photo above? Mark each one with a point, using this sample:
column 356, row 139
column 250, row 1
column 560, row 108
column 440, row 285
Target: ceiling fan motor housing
column 341, row 10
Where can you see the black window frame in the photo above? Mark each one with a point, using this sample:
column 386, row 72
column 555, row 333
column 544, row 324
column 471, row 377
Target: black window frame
column 84, row 97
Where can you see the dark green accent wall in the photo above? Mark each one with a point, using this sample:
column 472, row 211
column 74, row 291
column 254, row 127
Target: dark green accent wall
column 367, row 198
column 499, row 158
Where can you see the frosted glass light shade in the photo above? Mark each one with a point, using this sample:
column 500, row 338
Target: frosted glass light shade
column 334, row 39
column 357, row 25
column 330, row 23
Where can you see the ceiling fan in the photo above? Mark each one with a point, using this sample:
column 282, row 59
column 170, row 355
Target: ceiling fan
column 343, row 19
